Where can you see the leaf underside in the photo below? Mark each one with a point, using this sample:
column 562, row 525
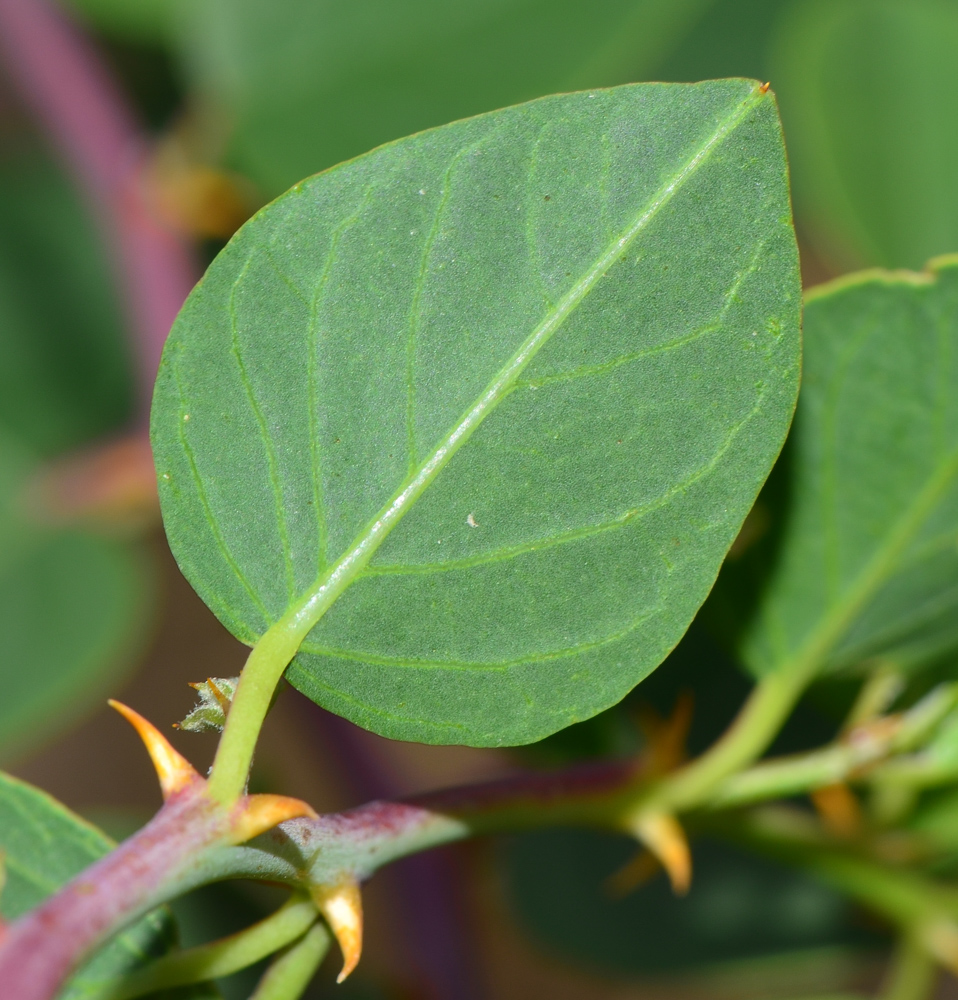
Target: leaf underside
column 575, row 321
column 868, row 564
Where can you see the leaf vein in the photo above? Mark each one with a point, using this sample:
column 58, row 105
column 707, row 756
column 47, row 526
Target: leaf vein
column 574, row 534
column 312, row 338
column 378, row 659
column 266, row 438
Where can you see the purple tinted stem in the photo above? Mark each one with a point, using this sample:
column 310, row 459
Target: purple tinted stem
column 42, row 948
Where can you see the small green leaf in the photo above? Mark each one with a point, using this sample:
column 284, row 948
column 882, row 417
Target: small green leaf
column 44, row 845
column 352, row 76
column 73, row 606
column 517, row 380
column 869, row 90
column 867, row 564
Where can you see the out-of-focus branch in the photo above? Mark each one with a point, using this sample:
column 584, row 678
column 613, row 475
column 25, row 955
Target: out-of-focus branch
column 60, row 78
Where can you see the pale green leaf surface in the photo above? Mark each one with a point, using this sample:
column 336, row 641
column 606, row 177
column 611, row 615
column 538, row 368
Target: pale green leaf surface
column 587, row 306
column 352, row 76
column 868, row 562
column 73, row 607
column 44, row 845
column 869, row 90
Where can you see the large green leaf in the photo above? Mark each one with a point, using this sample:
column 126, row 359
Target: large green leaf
column 44, row 845
column 309, row 83
column 588, row 307
column 867, row 563
column 869, row 90
column 65, row 375
column 73, row 606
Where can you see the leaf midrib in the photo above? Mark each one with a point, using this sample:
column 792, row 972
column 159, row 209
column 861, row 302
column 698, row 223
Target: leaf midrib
column 305, row 613
column 808, row 660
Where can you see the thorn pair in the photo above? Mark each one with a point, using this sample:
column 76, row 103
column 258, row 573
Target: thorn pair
column 340, row 903
column 252, row 814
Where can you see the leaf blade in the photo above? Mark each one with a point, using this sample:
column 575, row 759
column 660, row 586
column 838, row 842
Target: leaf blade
column 518, row 245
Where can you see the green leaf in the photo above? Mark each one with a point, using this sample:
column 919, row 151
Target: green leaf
column 73, row 606
column 44, row 845
column 868, row 91
column 65, row 376
column 352, row 76
column 867, row 563
column 133, row 20
column 550, row 352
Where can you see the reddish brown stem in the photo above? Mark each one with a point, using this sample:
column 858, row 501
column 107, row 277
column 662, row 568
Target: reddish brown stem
column 183, row 847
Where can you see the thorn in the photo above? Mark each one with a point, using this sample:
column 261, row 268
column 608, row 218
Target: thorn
column 634, row 873
column 342, row 907
column 665, row 738
column 764, row 88
column 839, row 810
column 941, row 939
column 255, row 814
column 663, row 835
column 172, row 768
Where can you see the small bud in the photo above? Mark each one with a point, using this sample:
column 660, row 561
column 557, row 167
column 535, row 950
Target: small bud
column 172, row 768
column 216, row 696
column 342, row 907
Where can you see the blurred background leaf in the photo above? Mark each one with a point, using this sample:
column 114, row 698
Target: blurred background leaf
column 353, row 76
column 73, row 611
column 73, row 602
column 739, row 907
column 867, row 565
column 869, row 90
column 65, row 372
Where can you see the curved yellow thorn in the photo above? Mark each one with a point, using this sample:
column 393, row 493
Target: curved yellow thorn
column 342, row 907
column 255, row 814
column 663, row 835
column 172, row 768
